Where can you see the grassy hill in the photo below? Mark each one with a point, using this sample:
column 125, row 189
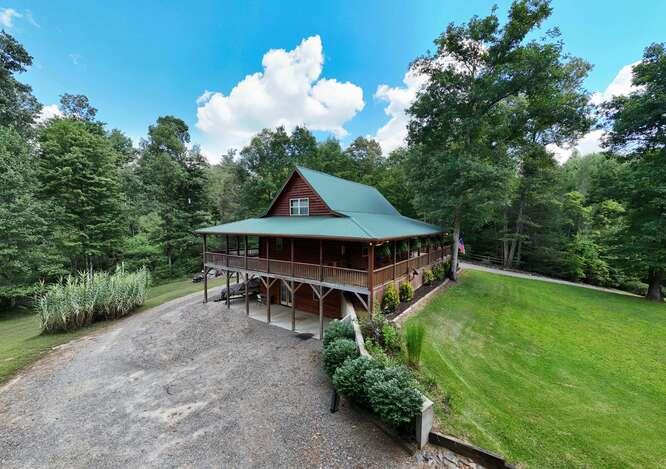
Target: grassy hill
column 550, row 375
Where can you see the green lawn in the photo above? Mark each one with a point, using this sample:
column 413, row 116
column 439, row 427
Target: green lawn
column 550, row 375
column 21, row 342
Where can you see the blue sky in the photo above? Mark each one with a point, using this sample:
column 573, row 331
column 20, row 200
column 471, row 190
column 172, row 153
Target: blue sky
column 137, row 60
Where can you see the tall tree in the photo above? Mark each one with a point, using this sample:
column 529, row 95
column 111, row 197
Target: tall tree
column 27, row 250
column 463, row 117
column 176, row 179
column 78, row 173
column 77, row 106
column 18, row 107
column 366, row 154
column 637, row 131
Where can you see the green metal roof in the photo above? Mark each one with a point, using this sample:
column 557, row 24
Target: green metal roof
column 342, row 195
column 361, row 213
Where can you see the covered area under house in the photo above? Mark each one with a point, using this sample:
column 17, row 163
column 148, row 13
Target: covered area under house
column 323, row 244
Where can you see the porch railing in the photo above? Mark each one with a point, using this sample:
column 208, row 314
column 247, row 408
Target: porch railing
column 400, row 269
column 328, row 274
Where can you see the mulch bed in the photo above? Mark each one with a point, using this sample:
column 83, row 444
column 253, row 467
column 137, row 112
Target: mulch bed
column 418, row 294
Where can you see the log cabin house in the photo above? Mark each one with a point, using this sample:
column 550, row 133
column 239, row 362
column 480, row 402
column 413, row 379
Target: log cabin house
column 324, row 241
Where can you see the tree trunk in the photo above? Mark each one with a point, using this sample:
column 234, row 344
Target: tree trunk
column 453, row 272
column 655, row 278
column 508, row 262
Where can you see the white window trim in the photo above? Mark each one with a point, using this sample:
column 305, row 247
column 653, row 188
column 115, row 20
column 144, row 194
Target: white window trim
column 301, row 204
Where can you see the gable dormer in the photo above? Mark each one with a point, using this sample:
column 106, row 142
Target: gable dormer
column 298, row 198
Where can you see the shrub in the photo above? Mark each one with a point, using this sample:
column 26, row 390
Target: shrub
column 438, row 271
column 378, row 353
column 338, row 330
column 390, row 299
column 428, row 277
column 406, row 291
column 390, row 338
column 336, row 352
column 414, row 335
column 85, row 298
column 392, row 395
column 349, row 378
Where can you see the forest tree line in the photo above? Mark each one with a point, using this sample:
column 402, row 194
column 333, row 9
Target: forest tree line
column 78, row 196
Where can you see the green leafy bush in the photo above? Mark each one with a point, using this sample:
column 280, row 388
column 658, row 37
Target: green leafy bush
column 349, row 378
column 336, row 330
column 391, row 338
column 390, row 299
column 406, row 291
column 439, row 271
column 392, row 395
column 378, row 353
column 414, row 335
column 428, row 277
column 336, row 352
column 85, row 298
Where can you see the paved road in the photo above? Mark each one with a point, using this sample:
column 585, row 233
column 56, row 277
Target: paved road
column 185, row 384
column 511, row 273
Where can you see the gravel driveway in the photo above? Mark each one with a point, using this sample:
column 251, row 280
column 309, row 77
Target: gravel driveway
column 185, row 384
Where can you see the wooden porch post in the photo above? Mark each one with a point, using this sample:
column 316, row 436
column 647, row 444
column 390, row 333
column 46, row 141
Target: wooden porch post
column 226, row 271
column 321, row 311
column 321, row 260
column 395, row 248
column 226, row 274
column 371, row 280
column 293, row 292
column 268, row 281
column 205, row 248
column 247, row 294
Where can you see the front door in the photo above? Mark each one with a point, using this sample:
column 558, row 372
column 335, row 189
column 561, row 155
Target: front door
column 285, row 294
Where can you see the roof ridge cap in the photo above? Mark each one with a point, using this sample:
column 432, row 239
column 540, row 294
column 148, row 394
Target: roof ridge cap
column 361, row 226
column 338, row 177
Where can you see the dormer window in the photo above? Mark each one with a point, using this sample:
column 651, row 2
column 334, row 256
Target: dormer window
column 299, row 207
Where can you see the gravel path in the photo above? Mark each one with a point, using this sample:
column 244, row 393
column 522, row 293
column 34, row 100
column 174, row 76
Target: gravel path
column 512, row 273
column 185, row 384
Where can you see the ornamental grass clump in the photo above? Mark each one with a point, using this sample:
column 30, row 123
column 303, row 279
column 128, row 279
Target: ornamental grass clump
column 82, row 299
column 414, row 336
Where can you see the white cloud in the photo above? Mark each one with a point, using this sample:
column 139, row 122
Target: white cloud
column 288, row 92
column 591, row 142
column 394, row 133
column 49, row 112
column 31, row 19
column 621, row 85
column 7, row 16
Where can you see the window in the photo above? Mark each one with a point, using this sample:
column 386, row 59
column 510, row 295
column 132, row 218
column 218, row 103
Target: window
column 279, row 245
column 299, row 207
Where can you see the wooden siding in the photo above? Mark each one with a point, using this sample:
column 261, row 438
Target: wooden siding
column 348, row 255
column 297, row 188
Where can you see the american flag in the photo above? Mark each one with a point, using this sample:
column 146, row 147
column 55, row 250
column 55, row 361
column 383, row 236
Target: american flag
column 461, row 245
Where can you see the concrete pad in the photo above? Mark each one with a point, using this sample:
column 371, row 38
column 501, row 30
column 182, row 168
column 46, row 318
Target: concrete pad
column 281, row 317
